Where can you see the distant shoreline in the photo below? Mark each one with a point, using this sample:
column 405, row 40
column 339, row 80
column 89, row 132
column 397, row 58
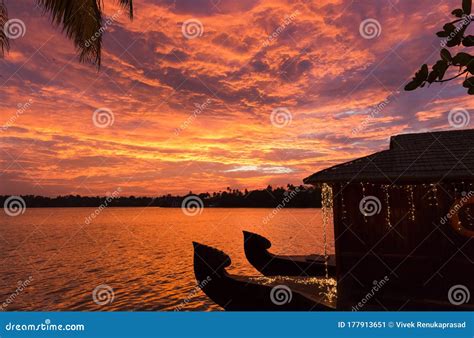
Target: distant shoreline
column 158, row 207
column 282, row 197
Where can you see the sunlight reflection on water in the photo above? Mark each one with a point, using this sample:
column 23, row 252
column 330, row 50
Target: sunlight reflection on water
column 144, row 254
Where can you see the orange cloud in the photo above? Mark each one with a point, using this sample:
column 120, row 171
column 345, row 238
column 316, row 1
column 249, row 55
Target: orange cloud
column 196, row 113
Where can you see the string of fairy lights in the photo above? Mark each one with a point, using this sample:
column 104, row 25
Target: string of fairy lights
column 430, row 191
column 327, row 198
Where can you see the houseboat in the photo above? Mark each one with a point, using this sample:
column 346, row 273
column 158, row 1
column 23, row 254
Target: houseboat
column 403, row 226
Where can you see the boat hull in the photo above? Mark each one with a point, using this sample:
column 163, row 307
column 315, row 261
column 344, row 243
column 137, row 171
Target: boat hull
column 239, row 293
column 256, row 250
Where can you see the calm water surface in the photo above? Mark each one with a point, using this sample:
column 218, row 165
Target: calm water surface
column 144, row 254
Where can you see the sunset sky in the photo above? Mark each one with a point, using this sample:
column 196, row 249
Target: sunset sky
column 196, row 113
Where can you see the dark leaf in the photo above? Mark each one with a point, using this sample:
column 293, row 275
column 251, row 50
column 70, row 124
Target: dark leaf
column 432, row 76
column 453, row 42
column 462, row 59
column 449, row 27
column 470, row 67
column 457, row 38
column 423, row 73
column 446, row 55
column 466, row 6
column 468, row 83
column 419, row 79
column 468, row 41
column 442, row 34
column 471, row 91
column 458, row 12
column 412, row 85
column 440, row 68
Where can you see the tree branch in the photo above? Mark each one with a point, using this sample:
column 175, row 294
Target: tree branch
column 452, row 78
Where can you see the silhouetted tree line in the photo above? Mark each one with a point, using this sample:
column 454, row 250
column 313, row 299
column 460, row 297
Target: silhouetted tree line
column 293, row 197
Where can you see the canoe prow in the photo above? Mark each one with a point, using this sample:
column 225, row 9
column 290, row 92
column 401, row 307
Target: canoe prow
column 210, row 260
column 256, row 250
column 253, row 239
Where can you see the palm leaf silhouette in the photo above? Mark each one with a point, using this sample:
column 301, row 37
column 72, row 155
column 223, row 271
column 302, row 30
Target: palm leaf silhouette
column 80, row 20
column 4, row 43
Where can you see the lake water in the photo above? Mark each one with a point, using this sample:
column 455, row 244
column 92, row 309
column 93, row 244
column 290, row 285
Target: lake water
column 135, row 258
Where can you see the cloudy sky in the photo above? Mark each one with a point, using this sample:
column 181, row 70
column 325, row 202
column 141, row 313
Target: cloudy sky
column 205, row 94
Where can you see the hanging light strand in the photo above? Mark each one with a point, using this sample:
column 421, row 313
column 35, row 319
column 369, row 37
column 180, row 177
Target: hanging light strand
column 327, row 207
column 411, row 201
column 387, row 204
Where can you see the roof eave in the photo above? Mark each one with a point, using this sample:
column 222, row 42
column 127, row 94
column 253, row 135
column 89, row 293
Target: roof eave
column 316, row 181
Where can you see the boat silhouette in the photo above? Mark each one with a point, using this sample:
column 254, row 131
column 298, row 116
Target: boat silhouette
column 242, row 293
column 256, row 250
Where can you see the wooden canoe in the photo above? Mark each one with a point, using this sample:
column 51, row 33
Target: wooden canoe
column 256, row 250
column 240, row 293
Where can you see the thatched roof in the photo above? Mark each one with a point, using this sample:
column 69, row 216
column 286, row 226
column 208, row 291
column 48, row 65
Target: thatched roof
column 445, row 156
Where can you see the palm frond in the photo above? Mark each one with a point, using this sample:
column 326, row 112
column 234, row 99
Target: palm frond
column 128, row 4
column 4, row 42
column 81, row 21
